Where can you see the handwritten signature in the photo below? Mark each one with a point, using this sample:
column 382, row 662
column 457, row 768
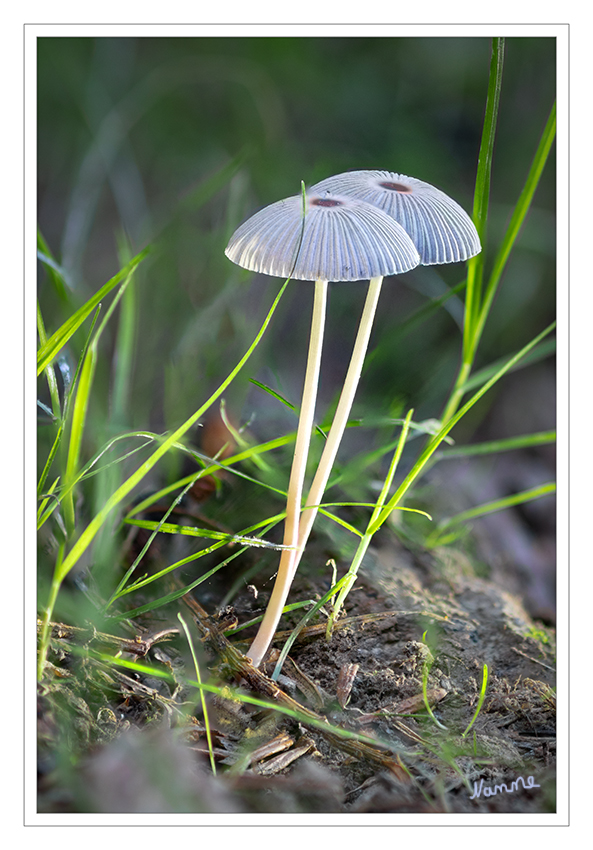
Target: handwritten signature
column 487, row 791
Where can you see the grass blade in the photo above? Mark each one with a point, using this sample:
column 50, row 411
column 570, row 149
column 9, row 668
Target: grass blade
column 86, row 537
column 303, row 622
column 202, row 694
column 437, row 537
column 209, row 470
column 54, row 270
column 191, row 531
column 432, row 446
column 481, row 699
column 540, row 352
column 80, row 407
column 372, row 524
column 510, row 443
column 474, row 324
column 518, row 217
column 58, row 340
column 475, row 266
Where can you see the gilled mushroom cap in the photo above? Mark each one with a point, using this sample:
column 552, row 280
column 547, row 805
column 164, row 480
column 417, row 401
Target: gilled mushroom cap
column 441, row 230
column 342, row 239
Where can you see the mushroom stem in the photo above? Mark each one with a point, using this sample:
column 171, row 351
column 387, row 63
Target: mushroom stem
column 341, row 417
column 288, row 559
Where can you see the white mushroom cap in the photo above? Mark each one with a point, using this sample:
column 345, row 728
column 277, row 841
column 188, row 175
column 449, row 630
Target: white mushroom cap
column 340, row 238
column 441, row 230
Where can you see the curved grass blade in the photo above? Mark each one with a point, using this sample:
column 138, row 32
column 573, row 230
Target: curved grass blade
column 372, row 524
column 425, row 671
column 159, row 527
column 284, row 401
column 478, row 307
column 202, row 694
column 58, row 340
column 209, row 534
column 449, row 424
column 438, row 538
column 55, row 271
column 83, row 382
column 48, row 464
column 178, row 593
column 234, row 693
column 475, row 266
column 540, row 352
column 81, row 402
column 87, row 536
column 41, row 512
column 517, row 219
column 508, row 444
column 49, row 372
column 303, row 622
column 87, row 470
column 212, row 468
column 475, row 321
column 481, row 699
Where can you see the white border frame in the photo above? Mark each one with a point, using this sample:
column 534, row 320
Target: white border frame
column 561, row 33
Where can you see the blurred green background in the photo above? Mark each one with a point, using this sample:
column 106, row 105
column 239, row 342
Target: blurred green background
column 133, row 134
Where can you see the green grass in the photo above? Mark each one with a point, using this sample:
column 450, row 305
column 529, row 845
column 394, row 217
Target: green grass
column 100, row 469
column 65, row 469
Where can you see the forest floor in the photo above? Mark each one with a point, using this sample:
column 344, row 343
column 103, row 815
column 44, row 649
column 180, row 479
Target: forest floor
column 117, row 741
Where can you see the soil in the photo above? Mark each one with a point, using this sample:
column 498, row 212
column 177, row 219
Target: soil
column 140, row 743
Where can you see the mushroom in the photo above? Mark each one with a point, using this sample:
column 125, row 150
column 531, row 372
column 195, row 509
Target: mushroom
column 442, row 232
column 321, row 237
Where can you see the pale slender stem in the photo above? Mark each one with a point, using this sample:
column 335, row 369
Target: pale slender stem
column 288, row 559
column 341, row 416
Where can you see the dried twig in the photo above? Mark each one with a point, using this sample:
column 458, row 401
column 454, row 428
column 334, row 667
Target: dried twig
column 240, row 666
column 136, row 646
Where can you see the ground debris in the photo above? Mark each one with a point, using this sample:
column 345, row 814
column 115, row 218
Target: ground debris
column 370, row 681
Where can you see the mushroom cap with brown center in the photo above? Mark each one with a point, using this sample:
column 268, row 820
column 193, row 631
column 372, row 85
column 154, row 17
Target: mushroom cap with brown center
column 329, row 237
column 441, row 230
